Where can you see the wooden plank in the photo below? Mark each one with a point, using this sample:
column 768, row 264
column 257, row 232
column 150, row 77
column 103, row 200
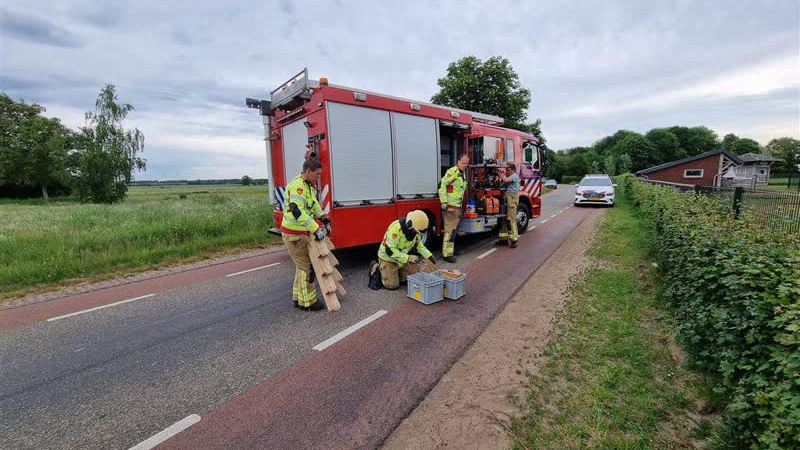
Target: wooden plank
column 332, row 302
column 340, row 289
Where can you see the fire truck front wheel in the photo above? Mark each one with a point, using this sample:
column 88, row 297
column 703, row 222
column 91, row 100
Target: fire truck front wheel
column 523, row 217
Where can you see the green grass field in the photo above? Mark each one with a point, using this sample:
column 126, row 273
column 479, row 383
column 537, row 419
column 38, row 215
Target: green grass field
column 42, row 246
column 608, row 379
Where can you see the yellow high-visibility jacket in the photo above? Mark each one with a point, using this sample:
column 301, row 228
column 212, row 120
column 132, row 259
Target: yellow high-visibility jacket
column 453, row 185
column 395, row 246
column 302, row 208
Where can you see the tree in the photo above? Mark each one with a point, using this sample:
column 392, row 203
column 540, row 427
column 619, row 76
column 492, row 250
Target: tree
column 695, row 140
column 610, row 164
column 729, row 141
column 745, row 145
column 624, row 163
column 246, row 180
column 33, row 148
column 108, row 153
column 788, row 150
column 490, row 87
column 639, row 149
column 666, row 145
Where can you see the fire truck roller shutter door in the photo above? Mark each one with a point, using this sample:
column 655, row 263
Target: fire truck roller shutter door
column 294, row 138
column 361, row 154
column 416, row 148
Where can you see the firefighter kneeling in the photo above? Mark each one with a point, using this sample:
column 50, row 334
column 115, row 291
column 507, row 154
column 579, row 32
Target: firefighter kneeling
column 401, row 252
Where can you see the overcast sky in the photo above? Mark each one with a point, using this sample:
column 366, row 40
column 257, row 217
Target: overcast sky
column 593, row 67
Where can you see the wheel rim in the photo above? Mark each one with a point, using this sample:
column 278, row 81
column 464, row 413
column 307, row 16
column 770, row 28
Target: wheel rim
column 522, row 219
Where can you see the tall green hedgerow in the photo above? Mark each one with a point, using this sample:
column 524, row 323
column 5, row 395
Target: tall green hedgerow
column 735, row 293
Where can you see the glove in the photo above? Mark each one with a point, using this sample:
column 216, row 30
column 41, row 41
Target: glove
column 325, row 220
column 432, row 260
column 412, row 259
column 319, row 234
column 444, row 206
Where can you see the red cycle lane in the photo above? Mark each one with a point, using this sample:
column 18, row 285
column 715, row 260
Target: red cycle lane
column 354, row 393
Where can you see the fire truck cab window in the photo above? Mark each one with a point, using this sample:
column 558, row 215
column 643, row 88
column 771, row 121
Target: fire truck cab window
column 510, row 150
column 531, row 154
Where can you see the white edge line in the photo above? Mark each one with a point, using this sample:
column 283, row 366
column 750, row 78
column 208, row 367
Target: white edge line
column 99, row 307
column 167, row 433
column 531, row 227
column 545, row 220
column 250, row 270
column 553, row 215
column 486, row 253
column 349, row 330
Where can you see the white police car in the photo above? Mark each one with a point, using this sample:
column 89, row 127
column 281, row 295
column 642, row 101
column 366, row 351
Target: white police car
column 595, row 189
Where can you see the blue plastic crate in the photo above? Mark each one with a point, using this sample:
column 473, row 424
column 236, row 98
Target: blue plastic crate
column 425, row 288
column 454, row 288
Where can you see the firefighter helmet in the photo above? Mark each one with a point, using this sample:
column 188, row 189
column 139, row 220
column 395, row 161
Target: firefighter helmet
column 417, row 220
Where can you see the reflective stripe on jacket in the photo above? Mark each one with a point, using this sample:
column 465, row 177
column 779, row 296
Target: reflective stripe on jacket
column 303, row 196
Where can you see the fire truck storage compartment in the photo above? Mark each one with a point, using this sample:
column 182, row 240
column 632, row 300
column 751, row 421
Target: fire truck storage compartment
column 360, row 142
column 415, row 149
column 295, row 139
column 451, row 145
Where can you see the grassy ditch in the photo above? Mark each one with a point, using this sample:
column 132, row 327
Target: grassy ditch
column 613, row 377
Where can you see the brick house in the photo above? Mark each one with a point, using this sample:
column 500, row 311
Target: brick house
column 705, row 169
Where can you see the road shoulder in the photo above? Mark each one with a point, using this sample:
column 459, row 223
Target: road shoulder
column 467, row 407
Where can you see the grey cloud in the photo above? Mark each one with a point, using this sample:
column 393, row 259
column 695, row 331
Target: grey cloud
column 34, row 29
column 102, row 15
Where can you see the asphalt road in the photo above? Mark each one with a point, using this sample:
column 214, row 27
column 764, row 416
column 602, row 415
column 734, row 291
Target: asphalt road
column 114, row 377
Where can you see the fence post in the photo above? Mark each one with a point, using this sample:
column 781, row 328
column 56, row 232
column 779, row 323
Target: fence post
column 737, row 201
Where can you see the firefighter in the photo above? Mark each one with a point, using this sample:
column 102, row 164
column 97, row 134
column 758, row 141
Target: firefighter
column 301, row 223
column 402, row 252
column 508, row 226
column 451, row 193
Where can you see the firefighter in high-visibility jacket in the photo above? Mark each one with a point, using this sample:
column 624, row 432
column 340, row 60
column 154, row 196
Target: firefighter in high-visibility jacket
column 402, row 252
column 451, row 194
column 301, row 223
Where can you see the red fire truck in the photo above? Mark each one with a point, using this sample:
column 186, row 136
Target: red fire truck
column 383, row 156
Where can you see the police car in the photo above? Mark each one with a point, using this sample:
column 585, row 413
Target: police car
column 595, row 189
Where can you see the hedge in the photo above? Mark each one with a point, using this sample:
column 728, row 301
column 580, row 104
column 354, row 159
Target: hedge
column 735, row 293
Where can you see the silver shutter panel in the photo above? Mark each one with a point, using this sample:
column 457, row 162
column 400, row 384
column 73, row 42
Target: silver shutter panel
column 416, row 148
column 361, row 154
column 295, row 139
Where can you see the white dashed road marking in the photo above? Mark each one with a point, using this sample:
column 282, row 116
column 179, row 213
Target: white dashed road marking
column 250, row 270
column 99, row 307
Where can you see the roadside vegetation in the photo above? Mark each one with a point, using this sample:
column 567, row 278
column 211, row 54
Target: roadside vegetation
column 612, row 377
column 42, row 245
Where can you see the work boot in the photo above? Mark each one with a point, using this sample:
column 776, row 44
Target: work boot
column 513, row 244
column 296, row 305
column 450, row 259
column 501, row 242
column 314, row 307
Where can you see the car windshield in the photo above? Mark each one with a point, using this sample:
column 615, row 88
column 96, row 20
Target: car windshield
column 596, row 182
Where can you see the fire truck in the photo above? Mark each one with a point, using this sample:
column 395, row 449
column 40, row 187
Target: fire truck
column 383, row 156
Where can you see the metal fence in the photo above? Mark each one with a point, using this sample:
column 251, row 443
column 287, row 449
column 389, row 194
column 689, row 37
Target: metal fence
column 778, row 211
column 791, row 181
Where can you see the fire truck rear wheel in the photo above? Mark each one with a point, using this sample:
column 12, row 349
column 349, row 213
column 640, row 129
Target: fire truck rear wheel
column 523, row 217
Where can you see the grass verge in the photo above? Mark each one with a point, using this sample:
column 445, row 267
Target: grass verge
column 48, row 246
column 612, row 377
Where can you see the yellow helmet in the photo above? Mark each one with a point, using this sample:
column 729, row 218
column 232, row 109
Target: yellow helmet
column 417, row 220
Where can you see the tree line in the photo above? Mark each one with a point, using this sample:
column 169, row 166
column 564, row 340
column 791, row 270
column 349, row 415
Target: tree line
column 95, row 162
column 628, row 151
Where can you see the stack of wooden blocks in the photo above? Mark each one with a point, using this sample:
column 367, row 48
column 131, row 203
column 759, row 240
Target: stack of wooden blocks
column 324, row 263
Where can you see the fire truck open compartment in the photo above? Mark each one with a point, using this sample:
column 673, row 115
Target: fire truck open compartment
column 451, row 144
